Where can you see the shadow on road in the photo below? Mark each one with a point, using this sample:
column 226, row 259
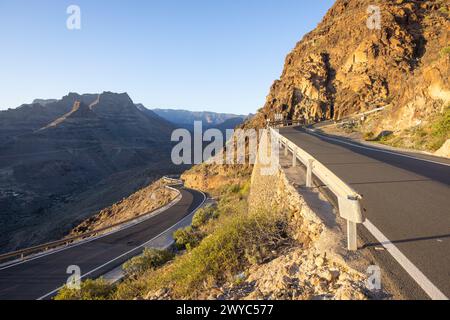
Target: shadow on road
column 369, row 245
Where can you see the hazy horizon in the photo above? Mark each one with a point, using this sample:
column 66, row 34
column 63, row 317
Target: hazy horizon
column 177, row 108
column 220, row 56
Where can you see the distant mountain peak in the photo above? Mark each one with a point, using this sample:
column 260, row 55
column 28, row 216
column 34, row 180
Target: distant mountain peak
column 44, row 102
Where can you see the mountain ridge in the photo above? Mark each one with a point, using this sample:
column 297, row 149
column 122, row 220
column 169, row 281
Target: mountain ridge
column 51, row 160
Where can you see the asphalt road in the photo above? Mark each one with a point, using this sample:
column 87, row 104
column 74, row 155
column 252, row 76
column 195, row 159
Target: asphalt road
column 406, row 196
column 38, row 278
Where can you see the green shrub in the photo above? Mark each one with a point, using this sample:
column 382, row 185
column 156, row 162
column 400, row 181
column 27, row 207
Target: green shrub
column 245, row 190
column 429, row 137
column 444, row 10
column 98, row 289
column 240, row 191
column 187, row 238
column 149, row 260
column 440, row 130
column 131, row 288
column 445, row 51
column 202, row 216
column 235, row 188
column 368, row 136
column 240, row 241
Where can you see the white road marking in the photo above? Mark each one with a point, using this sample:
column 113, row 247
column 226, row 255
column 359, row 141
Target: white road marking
column 376, row 149
column 126, row 253
column 56, row 250
column 431, row 290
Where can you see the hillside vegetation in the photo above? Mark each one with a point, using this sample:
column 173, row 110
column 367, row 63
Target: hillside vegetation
column 224, row 240
column 258, row 240
column 430, row 136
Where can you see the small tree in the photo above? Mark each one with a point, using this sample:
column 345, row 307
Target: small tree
column 187, row 238
column 202, row 216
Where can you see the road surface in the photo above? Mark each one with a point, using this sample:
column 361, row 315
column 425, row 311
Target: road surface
column 406, row 200
column 39, row 278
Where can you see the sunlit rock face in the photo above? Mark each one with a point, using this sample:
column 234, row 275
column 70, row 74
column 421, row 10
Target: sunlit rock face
column 344, row 67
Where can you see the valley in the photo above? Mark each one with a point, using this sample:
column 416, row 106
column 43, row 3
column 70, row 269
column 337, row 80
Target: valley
column 61, row 161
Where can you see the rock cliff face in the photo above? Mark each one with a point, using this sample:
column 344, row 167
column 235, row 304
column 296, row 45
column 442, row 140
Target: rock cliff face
column 348, row 65
column 31, row 117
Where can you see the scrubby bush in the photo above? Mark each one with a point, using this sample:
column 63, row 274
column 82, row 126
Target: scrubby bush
column 444, row 10
column 202, row 216
column 368, row 136
column 149, row 260
column 98, row 289
column 445, row 51
column 429, row 136
column 245, row 190
column 235, row 188
column 440, row 129
column 187, row 238
column 241, row 240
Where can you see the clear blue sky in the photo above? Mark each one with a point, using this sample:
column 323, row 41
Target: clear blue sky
column 218, row 55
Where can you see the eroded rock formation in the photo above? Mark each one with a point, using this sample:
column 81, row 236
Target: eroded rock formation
column 346, row 65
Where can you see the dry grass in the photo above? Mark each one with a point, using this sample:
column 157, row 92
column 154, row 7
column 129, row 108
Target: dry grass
column 429, row 137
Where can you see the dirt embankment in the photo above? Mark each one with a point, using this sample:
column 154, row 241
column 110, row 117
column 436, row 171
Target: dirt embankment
column 148, row 199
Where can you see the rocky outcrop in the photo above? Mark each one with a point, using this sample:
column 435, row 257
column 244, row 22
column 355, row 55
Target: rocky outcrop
column 344, row 67
column 444, row 151
column 299, row 274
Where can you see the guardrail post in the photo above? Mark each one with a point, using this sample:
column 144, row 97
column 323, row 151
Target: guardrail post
column 350, row 209
column 309, row 180
column 294, row 158
column 352, row 237
column 286, row 148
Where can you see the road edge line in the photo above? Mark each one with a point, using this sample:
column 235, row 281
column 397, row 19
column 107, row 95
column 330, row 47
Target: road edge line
column 144, row 218
column 128, row 252
column 430, row 289
column 375, row 149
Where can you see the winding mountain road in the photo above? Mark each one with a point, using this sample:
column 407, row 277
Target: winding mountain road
column 41, row 277
column 406, row 200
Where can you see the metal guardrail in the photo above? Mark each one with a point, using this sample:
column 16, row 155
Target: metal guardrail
column 21, row 254
column 173, row 180
column 285, row 123
column 348, row 199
